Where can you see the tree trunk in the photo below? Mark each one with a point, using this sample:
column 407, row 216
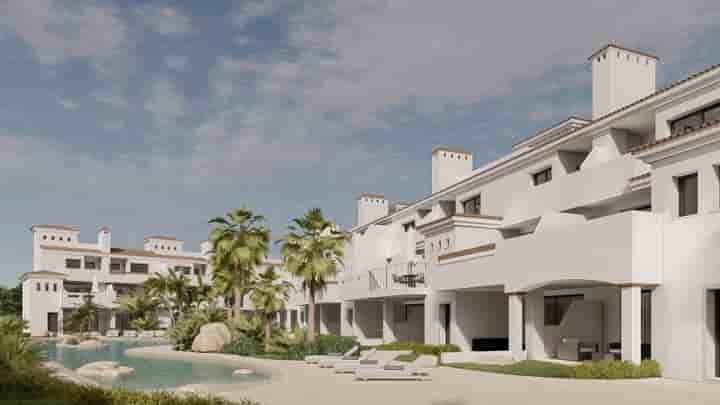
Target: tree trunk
column 237, row 304
column 311, row 314
column 268, row 331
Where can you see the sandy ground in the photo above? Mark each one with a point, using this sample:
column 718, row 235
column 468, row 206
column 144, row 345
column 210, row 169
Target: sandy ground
column 297, row 383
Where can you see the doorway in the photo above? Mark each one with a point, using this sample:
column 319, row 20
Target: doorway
column 52, row 322
column 716, row 295
column 445, row 322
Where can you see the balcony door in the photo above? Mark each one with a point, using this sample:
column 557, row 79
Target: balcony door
column 52, row 322
column 445, row 323
column 716, row 293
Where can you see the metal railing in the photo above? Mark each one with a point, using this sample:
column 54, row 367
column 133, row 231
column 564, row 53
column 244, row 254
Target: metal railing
column 408, row 275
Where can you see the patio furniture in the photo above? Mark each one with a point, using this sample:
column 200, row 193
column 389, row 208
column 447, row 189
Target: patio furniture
column 130, row 333
column 147, row 334
column 417, row 370
column 615, row 350
column 94, row 334
column 569, row 349
column 112, row 333
column 378, row 360
column 317, row 358
column 364, row 356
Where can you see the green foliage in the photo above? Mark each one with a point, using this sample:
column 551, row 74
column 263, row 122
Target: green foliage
column 244, row 326
column 419, row 348
column 11, row 301
column 245, row 346
column 17, row 352
column 188, row 327
column 269, row 295
column 177, row 294
column 588, row 370
column 142, row 309
column 71, row 340
column 81, row 317
column 312, row 251
column 290, row 346
column 38, row 387
column 239, row 244
column 616, row 370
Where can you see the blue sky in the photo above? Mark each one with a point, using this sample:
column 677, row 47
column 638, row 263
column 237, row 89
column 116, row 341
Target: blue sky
column 153, row 116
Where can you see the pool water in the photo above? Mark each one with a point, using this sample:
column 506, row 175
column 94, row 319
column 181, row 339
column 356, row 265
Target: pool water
column 149, row 373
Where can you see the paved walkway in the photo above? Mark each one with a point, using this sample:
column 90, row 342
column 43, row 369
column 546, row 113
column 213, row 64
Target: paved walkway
column 297, row 383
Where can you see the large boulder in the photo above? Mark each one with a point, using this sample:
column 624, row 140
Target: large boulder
column 212, row 338
column 104, row 369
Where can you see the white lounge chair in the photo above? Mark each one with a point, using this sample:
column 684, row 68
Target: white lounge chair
column 417, row 370
column 129, row 333
column 94, row 334
column 159, row 333
column 112, row 333
column 364, row 356
column 317, row 358
column 147, row 334
column 379, row 359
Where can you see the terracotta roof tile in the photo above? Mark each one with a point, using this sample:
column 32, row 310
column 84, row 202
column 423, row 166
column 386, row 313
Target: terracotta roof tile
column 649, row 55
column 671, row 138
column 60, row 227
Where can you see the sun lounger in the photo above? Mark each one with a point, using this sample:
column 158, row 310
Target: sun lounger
column 147, row 334
column 417, row 370
column 317, row 358
column 331, row 362
column 159, row 333
column 94, row 334
column 378, row 360
column 112, row 333
column 129, row 333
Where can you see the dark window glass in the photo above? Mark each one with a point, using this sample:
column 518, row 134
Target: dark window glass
column 185, row 270
column 688, row 195
column 472, row 206
column 694, row 121
column 37, row 286
column 47, row 287
column 73, row 263
column 138, row 267
column 557, row 306
column 54, row 287
column 410, row 225
column 542, row 176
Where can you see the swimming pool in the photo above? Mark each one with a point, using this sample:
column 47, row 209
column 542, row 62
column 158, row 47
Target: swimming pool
column 149, row 373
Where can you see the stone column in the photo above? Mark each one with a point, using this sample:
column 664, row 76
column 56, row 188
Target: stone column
column 630, row 325
column 388, row 322
column 431, row 318
column 515, row 326
column 346, row 323
column 535, row 325
column 288, row 320
column 322, row 319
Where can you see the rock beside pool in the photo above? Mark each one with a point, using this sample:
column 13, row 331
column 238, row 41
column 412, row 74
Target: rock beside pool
column 196, row 389
column 212, row 338
column 90, row 344
column 243, row 371
column 104, row 369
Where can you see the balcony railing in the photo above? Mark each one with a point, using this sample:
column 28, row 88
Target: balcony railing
column 393, row 279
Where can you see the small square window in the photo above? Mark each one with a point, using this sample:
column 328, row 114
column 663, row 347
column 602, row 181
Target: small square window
column 44, row 237
column 47, row 286
column 542, row 177
column 54, row 287
column 37, row 286
column 687, row 195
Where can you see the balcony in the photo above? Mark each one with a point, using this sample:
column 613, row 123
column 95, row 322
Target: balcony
column 396, row 279
column 582, row 188
column 619, row 249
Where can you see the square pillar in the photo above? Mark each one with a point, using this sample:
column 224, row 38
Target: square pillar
column 535, row 325
column 347, row 318
column 630, row 324
column 288, row 320
column 388, row 322
column 515, row 326
column 322, row 318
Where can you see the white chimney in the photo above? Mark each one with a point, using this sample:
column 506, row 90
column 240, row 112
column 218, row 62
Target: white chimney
column 104, row 239
column 620, row 76
column 449, row 166
column 371, row 207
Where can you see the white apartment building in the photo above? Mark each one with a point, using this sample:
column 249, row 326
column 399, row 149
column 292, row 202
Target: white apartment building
column 594, row 238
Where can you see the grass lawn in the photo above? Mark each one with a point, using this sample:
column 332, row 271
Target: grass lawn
column 529, row 368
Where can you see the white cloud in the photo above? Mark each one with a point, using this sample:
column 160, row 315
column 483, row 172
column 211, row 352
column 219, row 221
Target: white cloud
column 176, row 62
column 165, row 103
column 165, row 20
column 252, row 10
column 67, row 104
column 59, row 31
column 113, row 97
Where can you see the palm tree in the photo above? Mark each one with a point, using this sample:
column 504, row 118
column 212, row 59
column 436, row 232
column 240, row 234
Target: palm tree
column 269, row 295
column 311, row 251
column 142, row 309
column 173, row 290
column 239, row 244
column 82, row 316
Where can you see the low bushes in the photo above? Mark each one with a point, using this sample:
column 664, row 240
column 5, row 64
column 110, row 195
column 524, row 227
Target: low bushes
column 612, row 370
column 419, row 348
column 291, row 346
column 605, row 370
column 185, row 330
column 38, row 387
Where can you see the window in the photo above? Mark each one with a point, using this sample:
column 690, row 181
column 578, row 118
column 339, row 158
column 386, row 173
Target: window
column 472, row 206
column 92, row 262
column 447, row 244
column 52, row 237
column 557, row 306
column 60, row 238
column 138, row 267
column 694, row 121
column 72, row 263
column 199, row 269
column 54, row 287
column 185, row 269
column 542, row 177
column 410, row 225
column 37, row 286
column 68, row 239
column 44, row 237
column 116, row 267
column 47, row 286
column 687, row 195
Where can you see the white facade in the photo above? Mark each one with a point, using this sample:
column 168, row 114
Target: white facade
column 591, row 239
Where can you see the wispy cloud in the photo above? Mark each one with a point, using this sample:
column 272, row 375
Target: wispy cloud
column 113, row 97
column 165, row 103
column 165, row 20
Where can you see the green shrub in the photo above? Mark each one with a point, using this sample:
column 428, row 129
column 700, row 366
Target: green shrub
column 181, row 335
column 419, row 348
column 244, row 346
column 38, row 387
column 608, row 369
column 289, row 346
column 18, row 353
